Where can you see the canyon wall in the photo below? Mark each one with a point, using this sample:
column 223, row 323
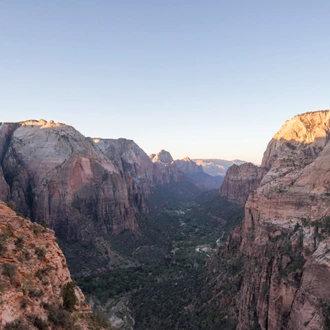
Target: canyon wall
column 55, row 174
column 240, row 181
column 282, row 247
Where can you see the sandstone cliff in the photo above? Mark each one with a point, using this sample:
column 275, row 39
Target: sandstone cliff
column 57, row 175
column 283, row 243
column 240, row 181
column 36, row 289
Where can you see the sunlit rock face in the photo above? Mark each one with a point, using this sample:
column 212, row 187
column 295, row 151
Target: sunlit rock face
column 33, row 274
column 57, row 175
column 240, row 181
column 284, row 237
column 163, row 157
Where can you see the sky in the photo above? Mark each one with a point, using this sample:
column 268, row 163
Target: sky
column 198, row 78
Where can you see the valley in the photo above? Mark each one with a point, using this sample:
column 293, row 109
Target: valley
column 145, row 242
column 159, row 286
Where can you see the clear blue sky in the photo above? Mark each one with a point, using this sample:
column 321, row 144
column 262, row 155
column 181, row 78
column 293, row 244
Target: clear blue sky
column 199, row 78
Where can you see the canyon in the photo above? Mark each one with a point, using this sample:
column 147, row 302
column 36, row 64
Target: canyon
column 252, row 254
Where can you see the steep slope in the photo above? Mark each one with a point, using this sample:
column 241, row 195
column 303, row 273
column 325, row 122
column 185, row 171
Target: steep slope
column 240, row 181
column 284, row 241
column 36, row 289
column 130, row 159
column 57, row 175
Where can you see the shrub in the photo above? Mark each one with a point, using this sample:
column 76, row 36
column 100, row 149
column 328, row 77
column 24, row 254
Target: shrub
column 18, row 324
column 35, row 293
column 40, row 251
column 12, row 205
column 39, row 323
column 9, row 270
column 59, row 317
column 19, row 243
column 37, row 229
column 69, row 296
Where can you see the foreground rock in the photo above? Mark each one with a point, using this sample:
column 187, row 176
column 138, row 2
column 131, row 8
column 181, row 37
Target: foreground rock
column 36, row 289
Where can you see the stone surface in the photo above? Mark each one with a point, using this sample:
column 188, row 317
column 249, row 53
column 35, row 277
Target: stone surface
column 33, row 273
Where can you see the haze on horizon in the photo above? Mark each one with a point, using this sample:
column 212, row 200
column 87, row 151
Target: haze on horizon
column 211, row 79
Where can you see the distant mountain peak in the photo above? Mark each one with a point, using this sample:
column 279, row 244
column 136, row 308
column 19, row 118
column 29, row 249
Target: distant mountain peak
column 163, row 156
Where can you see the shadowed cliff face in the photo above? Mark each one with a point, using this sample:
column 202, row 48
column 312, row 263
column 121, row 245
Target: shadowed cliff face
column 57, row 175
column 36, row 286
column 240, row 181
column 146, row 171
column 284, row 238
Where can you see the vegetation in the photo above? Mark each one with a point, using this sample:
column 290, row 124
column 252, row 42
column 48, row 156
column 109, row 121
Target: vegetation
column 171, row 288
column 69, row 296
column 9, row 270
column 18, row 324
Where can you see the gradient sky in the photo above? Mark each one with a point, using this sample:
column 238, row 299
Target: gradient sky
column 199, row 78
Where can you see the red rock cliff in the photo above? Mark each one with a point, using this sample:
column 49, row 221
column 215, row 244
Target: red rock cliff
column 284, row 240
column 35, row 280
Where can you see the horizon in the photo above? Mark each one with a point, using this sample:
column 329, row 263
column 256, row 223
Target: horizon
column 211, row 80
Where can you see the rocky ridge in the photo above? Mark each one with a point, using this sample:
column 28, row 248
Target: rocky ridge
column 36, row 288
column 54, row 173
column 283, row 244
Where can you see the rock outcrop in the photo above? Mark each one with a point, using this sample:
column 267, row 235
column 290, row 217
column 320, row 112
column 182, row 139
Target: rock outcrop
column 165, row 169
column 162, row 157
column 36, row 288
column 240, row 181
column 57, row 175
column 284, row 242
